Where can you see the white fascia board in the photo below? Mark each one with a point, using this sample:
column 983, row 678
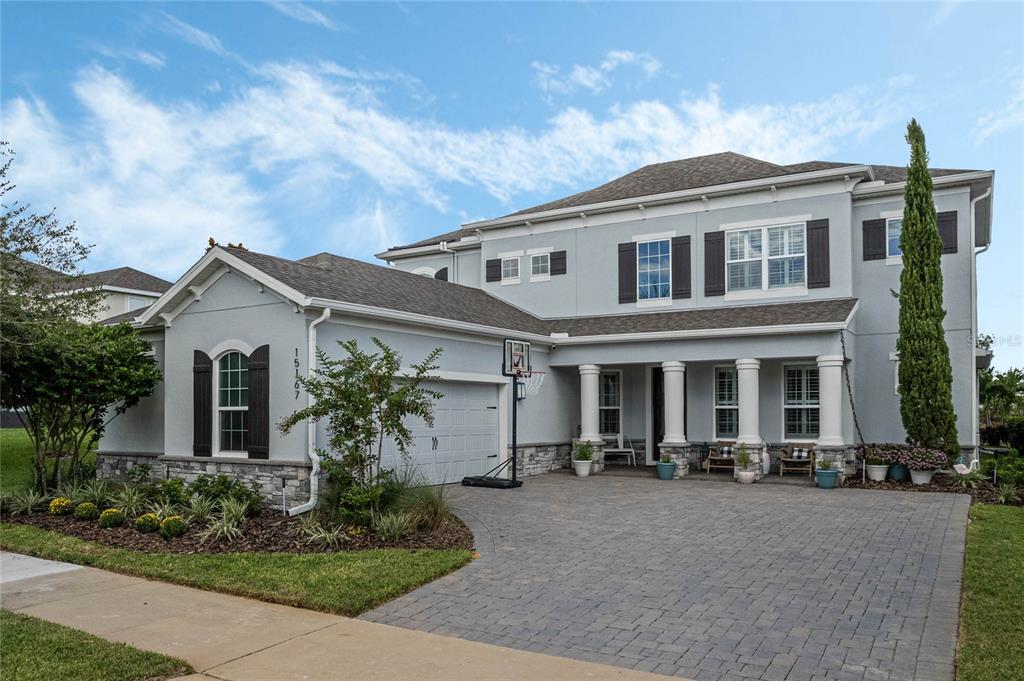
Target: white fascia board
column 130, row 291
column 458, row 376
column 898, row 187
column 159, row 307
column 732, row 187
column 426, row 320
column 781, row 329
column 463, row 244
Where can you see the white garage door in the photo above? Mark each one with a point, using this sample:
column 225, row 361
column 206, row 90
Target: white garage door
column 463, row 440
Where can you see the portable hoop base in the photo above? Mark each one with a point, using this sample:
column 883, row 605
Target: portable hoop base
column 489, row 479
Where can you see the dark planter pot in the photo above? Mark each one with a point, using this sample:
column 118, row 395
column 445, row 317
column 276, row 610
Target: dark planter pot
column 898, row 472
column 827, row 478
column 666, row 471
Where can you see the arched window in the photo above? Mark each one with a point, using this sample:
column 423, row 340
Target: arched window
column 233, row 403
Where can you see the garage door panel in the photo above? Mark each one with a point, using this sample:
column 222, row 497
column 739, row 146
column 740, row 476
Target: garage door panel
column 463, row 440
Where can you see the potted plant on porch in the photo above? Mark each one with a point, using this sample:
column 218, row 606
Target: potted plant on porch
column 582, row 459
column 876, row 464
column 666, row 467
column 923, row 462
column 826, row 474
column 742, row 464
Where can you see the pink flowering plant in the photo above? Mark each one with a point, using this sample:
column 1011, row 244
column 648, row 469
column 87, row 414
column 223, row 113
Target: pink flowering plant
column 914, row 457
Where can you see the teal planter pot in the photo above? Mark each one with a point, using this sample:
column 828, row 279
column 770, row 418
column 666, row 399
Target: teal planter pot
column 666, row 471
column 827, row 478
column 898, row 472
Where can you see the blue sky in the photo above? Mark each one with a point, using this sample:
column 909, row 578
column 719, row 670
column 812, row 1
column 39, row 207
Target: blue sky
column 297, row 128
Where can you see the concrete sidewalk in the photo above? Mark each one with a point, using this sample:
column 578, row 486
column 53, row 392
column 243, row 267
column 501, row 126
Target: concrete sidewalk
column 230, row 638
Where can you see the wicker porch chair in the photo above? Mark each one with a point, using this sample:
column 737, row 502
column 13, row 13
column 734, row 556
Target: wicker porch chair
column 797, row 458
column 721, row 455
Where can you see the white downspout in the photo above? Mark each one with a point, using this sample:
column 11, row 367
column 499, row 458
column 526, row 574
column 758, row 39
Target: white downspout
column 975, row 425
column 455, row 263
column 314, row 473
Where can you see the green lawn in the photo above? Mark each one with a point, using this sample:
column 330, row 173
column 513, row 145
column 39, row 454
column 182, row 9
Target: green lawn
column 346, row 583
column 35, row 649
column 16, row 456
column 991, row 623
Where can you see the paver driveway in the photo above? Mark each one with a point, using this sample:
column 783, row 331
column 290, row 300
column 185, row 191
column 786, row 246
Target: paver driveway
column 707, row 580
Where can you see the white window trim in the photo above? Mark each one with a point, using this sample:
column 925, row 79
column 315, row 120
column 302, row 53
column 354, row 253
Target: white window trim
column 509, row 281
column 617, row 372
column 765, row 291
column 809, row 440
column 540, row 251
column 716, row 406
column 544, row 276
column 425, row 271
column 888, row 216
column 215, row 449
column 654, row 302
column 655, row 236
column 765, row 222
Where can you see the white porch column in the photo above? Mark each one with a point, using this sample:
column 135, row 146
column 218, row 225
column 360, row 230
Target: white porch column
column 830, row 400
column 675, row 402
column 589, row 385
column 747, row 372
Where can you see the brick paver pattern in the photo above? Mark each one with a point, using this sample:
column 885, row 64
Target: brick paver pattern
column 709, row 581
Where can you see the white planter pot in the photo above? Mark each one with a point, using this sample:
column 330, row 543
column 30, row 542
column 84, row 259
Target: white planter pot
column 921, row 477
column 746, row 477
column 877, row 472
column 582, row 468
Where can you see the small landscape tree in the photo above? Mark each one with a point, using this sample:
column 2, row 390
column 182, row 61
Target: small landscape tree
column 365, row 399
column 68, row 384
column 925, row 375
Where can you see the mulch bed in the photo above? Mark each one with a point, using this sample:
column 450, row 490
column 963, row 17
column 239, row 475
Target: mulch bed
column 266, row 532
column 984, row 494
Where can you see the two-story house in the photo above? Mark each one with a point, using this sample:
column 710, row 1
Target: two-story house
column 718, row 298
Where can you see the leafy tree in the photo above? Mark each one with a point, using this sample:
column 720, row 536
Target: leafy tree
column 1001, row 394
column 925, row 375
column 68, row 384
column 39, row 259
column 365, row 399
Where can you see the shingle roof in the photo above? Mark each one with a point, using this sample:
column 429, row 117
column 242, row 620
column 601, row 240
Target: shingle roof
column 688, row 173
column 333, row 277
column 126, row 277
column 125, row 316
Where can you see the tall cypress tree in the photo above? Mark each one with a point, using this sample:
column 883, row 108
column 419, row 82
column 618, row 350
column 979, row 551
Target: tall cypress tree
column 925, row 375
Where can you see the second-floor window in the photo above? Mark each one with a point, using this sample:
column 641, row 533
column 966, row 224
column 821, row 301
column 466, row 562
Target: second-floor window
column 752, row 267
column 892, row 237
column 653, row 270
column 540, row 264
column 509, row 268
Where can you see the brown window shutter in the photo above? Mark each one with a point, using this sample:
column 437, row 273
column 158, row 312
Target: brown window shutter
column 874, row 239
column 441, row 274
column 627, row 273
column 681, row 267
column 714, row 263
column 202, row 403
column 258, row 417
column 557, row 262
column 947, row 230
column 494, row 270
column 817, row 254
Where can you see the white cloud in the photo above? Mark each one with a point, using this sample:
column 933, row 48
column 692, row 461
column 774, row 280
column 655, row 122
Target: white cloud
column 1006, row 117
column 150, row 59
column 596, row 79
column 149, row 182
column 196, row 36
column 306, row 14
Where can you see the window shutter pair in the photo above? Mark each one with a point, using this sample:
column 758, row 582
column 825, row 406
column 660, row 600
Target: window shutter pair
column 556, row 265
column 874, row 235
column 258, row 418
column 680, row 270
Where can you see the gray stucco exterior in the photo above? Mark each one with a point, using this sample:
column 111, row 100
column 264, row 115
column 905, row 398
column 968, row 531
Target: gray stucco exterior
column 234, row 307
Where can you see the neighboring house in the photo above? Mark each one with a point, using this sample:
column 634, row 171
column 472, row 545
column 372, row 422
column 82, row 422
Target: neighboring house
column 707, row 299
column 124, row 290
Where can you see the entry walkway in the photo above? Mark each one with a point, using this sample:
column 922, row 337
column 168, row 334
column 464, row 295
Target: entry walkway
column 236, row 639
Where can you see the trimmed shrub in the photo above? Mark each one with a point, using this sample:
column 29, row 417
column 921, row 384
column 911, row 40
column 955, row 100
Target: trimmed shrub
column 112, row 517
column 173, row 492
column 172, row 526
column 61, row 506
column 87, row 511
column 148, row 522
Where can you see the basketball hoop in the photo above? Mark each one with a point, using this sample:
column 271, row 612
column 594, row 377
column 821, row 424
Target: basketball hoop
column 531, row 381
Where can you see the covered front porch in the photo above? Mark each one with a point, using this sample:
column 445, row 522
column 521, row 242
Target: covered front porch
column 770, row 407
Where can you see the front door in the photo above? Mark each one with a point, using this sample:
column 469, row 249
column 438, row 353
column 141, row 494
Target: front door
column 657, row 412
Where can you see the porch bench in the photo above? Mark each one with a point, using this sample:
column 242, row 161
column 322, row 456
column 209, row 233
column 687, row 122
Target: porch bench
column 624, row 449
column 796, row 458
column 721, row 456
